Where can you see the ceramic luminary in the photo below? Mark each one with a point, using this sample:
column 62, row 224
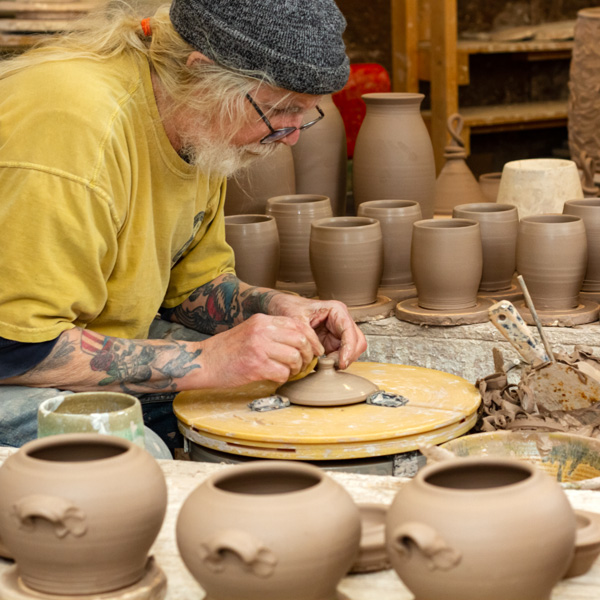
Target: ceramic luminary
column 272, row 175
column 79, row 512
column 474, row 528
column 346, row 257
column 499, row 224
column 269, row 530
column 584, row 104
column 393, row 156
column 539, row 185
column 552, row 258
column 396, row 218
column 489, row 184
column 447, row 263
column 294, row 215
column 320, row 158
column 255, row 243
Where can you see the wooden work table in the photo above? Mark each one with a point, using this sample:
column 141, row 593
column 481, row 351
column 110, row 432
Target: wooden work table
column 182, row 477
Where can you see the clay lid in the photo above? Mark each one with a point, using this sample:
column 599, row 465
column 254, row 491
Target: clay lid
column 328, row 387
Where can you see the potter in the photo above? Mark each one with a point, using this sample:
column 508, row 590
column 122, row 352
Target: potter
column 131, row 225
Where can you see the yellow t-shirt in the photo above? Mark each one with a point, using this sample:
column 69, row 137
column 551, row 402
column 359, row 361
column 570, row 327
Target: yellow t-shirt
column 101, row 221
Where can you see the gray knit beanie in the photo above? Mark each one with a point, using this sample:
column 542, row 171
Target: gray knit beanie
column 298, row 43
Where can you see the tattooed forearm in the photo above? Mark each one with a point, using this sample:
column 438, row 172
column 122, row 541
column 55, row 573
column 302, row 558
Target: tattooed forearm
column 256, row 300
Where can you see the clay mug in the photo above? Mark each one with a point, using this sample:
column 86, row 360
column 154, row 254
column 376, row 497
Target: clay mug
column 294, row 214
column 447, row 263
column 499, row 225
column 589, row 210
column 539, row 185
column 490, row 184
column 396, row 218
column 255, row 243
column 474, row 528
column 552, row 258
column 107, row 413
column 269, row 530
column 80, row 511
column 346, row 257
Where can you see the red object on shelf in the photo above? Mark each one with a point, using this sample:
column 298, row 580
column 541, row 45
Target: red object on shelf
column 365, row 78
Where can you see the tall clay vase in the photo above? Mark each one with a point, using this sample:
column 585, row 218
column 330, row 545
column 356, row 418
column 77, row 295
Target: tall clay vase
column 346, row 257
column 393, row 156
column 552, row 258
column 489, row 183
column 539, row 185
column 273, row 175
column 499, row 225
column 269, row 530
column 320, row 158
column 475, row 528
column 396, row 218
column 583, row 108
column 80, row 511
column 589, row 210
column 255, row 243
column 293, row 215
column 447, row 263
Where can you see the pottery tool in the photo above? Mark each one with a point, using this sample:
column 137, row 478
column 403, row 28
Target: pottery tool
column 440, row 407
column 555, row 385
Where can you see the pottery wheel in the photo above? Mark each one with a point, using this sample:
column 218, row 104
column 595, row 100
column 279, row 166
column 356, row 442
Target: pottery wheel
column 304, row 288
column 382, row 308
column 586, row 312
column 441, row 407
column 512, row 294
column 152, row 586
column 409, row 310
column 396, row 293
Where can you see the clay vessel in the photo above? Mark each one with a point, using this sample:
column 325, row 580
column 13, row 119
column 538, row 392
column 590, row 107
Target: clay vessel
column 583, row 108
column 455, row 184
column 539, row 185
column 552, row 258
column 472, row 528
column 269, row 176
column 255, row 243
column 320, row 158
column 346, row 257
column 294, row 215
column 393, row 156
column 269, row 530
column 447, row 263
column 328, row 387
column 499, row 225
column 587, row 543
column 489, row 183
column 396, row 218
column 588, row 210
column 108, row 413
column 79, row 512
column 587, row 166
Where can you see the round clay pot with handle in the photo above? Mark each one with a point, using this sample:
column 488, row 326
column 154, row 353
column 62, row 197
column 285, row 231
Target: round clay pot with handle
column 269, row 530
column 80, row 511
column 474, row 528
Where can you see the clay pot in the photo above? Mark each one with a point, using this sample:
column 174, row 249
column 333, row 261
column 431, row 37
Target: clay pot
column 79, row 512
column 255, row 243
column 108, row 413
column 446, row 263
column 552, row 258
column 294, row 215
column 583, row 108
column 249, row 190
column 478, row 528
column 393, row 156
column 269, row 530
column 320, row 158
column 346, row 257
column 396, row 218
column 539, row 185
column 499, row 225
column 589, row 211
column 489, row 183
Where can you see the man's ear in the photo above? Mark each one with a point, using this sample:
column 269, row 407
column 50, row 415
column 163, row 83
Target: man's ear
column 197, row 56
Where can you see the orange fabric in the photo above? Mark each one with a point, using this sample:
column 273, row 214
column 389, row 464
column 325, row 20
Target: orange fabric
column 146, row 27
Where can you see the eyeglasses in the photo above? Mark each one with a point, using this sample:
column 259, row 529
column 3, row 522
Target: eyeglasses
column 278, row 134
